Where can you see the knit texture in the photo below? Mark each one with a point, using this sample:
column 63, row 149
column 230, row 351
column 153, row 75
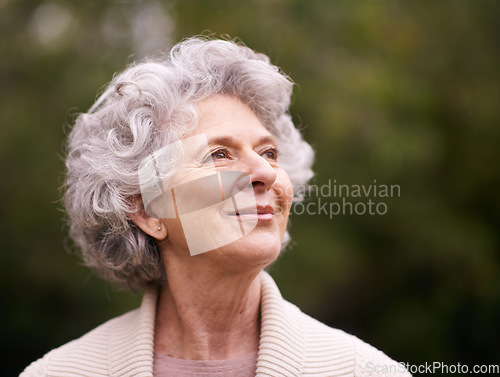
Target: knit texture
column 291, row 344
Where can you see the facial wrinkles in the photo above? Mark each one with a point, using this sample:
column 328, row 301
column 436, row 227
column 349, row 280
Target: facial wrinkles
column 230, row 126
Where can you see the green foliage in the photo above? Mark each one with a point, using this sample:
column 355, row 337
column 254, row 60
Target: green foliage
column 402, row 92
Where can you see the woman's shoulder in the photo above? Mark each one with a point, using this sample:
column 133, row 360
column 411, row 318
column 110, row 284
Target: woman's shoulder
column 87, row 353
column 325, row 345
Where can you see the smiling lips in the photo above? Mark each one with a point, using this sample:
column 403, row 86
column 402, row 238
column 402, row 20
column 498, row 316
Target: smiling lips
column 260, row 212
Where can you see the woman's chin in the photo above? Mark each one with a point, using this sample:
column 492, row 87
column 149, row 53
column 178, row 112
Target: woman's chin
column 257, row 249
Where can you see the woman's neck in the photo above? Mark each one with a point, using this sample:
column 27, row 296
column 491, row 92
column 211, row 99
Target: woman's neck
column 203, row 315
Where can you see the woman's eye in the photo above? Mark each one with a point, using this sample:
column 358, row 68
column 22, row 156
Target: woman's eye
column 271, row 153
column 220, row 154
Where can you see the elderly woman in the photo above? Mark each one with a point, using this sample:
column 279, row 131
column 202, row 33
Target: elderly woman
column 180, row 181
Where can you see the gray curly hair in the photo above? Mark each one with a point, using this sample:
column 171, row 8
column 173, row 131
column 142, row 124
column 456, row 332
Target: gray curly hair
column 147, row 106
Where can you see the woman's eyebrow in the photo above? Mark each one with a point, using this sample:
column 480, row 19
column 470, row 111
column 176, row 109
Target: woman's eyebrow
column 231, row 140
column 268, row 139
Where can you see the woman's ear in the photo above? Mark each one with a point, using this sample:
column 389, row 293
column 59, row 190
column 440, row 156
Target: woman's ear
column 149, row 224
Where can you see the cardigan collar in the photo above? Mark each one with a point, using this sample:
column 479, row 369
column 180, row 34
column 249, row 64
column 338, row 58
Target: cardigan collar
column 281, row 348
column 138, row 335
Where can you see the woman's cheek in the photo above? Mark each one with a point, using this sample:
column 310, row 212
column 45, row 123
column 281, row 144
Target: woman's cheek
column 284, row 190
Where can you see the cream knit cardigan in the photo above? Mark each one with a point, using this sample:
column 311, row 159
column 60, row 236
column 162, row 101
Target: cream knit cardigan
column 291, row 344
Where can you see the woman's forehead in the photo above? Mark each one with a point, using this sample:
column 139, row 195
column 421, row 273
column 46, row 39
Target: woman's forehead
column 226, row 119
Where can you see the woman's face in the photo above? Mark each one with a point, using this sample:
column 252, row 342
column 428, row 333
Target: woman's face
column 239, row 165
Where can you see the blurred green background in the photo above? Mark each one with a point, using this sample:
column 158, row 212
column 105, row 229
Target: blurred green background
column 404, row 92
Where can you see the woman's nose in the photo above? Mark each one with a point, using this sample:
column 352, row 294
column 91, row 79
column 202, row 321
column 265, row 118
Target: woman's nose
column 262, row 174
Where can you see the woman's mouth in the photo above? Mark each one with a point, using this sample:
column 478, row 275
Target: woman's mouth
column 261, row 213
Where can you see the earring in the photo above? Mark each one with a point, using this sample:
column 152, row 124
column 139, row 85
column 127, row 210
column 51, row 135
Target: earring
column 159, row 228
